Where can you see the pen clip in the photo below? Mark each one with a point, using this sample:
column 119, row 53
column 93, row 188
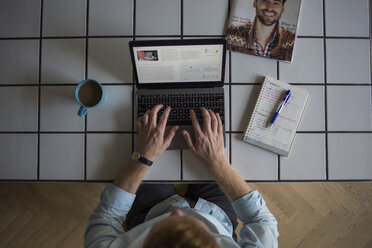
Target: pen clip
column 287, row 96
column 282, row 104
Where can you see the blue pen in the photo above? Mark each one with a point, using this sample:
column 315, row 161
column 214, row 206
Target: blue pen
column 285, row 100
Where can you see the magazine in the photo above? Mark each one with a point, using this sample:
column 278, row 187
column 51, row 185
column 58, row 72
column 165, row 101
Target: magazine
column 265, row 28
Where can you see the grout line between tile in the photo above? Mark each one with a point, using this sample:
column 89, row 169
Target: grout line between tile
column 115, row 84
column 230, row 92
column 181, row 32
column 133, row 105
column 39, row 91
column 192, row 181
column 134, row 132
column 314, row 132
column 370, row 42
column 244, row 83
column 85, row 147
column 134, row 19
column 253, row 181
column 22, row 85
column 346, row 37
column 278, row 156
column 339, row 84
column 366, row 132
column 181, row 171
column 134, row 112
column 279, row 169
column 312, row 84
column 370, row 45
column 19, row 132
column 277, row 70
column 325, row 92
column 196, row 181
column 310, row 36
column 237, row 84
column 333, row 37
column 204, row 36
column 20, row 38
column 181, row 21
column 109, row 132
column 157, row 36
column 86, row 77
column 134, row 116
column 230, row 108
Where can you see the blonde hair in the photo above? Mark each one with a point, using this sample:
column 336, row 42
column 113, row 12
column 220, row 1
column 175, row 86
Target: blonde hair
column 180, row 235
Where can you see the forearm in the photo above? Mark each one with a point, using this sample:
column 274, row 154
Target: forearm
column 131, row 176
column 259, row 225
column 229, row 179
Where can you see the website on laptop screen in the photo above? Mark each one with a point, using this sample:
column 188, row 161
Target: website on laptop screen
column 173, row 64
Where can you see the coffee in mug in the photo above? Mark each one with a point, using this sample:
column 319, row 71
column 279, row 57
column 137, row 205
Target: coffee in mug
column 89, row 93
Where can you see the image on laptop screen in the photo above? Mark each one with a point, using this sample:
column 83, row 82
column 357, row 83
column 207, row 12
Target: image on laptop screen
column 179, row 64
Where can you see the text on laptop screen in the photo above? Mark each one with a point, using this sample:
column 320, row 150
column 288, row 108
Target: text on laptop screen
column 179, row 64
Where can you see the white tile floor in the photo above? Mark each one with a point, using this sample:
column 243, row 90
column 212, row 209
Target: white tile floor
column 48, row 46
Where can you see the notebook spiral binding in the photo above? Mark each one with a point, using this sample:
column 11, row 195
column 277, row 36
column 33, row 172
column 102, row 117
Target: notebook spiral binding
column 255, row 107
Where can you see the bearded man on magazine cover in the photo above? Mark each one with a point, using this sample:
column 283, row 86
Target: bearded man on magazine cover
column 265, row 36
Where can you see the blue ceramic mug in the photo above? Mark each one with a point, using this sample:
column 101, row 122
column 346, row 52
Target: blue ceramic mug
column 89, row 93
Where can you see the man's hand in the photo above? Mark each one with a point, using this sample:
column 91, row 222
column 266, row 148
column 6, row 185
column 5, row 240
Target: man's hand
column 209, row 143
column 151, row 140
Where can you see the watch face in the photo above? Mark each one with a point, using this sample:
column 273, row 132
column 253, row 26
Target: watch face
column 135, row 156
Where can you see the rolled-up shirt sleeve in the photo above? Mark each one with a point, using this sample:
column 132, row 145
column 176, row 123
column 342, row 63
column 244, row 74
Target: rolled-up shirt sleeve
column 105, row 224
column 260, row 228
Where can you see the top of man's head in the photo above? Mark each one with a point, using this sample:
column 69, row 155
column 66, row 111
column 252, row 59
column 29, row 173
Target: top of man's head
column 179, row 232
column 283, row 1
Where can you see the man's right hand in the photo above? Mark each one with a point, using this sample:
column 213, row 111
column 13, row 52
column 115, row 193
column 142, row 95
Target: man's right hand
column 209, row 142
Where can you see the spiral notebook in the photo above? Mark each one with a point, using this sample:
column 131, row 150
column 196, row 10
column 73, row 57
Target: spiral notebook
column 279, row 137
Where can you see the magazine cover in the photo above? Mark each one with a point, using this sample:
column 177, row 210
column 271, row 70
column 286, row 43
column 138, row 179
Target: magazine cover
column 265, row 28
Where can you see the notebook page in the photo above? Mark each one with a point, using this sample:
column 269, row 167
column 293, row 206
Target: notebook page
column 281, row 134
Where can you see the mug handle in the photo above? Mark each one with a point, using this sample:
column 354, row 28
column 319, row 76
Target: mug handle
column 82, row 111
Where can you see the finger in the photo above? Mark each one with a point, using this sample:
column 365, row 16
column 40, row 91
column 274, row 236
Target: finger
column 145, row 118
column 188, row 140
column 195, row 123
column 154, row 114
column 220, row 129
column 168, row 139
column 139, row 123
column 207, row 119
column 164, row 118
column 214, row 123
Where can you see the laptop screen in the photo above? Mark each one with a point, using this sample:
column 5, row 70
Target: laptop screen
column 180, row 63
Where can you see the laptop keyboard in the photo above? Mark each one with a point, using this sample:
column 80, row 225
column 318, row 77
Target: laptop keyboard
column 181, row 104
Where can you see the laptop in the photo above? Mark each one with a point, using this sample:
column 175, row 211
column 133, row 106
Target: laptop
column 182, row 74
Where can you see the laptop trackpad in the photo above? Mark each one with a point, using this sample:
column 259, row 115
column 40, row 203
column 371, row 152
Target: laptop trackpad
column 178, row 141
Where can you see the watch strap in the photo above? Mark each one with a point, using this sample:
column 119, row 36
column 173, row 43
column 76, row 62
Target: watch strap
column 145, row 161
column 137, row 156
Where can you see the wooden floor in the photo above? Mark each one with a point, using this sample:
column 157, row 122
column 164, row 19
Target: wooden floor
column 309, row 214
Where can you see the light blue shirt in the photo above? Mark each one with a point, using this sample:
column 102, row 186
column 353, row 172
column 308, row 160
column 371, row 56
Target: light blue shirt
column 105, row 225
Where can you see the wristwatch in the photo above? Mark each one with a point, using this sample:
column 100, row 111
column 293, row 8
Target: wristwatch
column 137, row 156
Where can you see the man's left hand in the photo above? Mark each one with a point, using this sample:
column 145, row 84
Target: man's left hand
column 151, row 140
